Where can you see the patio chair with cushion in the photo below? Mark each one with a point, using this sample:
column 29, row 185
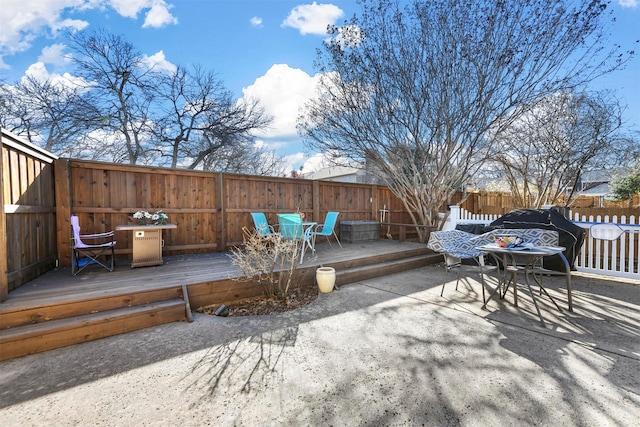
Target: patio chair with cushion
column 328, row 228
column 89, row 249
column 262, row 225
column 533, row 236
column 457, row 246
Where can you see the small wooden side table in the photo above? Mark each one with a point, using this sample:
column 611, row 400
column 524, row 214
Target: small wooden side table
column 147, row 243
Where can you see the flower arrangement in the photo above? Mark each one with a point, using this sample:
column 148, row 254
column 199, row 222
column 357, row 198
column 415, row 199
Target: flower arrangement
column 146, row 218
column 508, row 241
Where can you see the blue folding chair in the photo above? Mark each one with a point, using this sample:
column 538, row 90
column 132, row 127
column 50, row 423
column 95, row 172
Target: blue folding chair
column 291, row 228
column 262, row 225
column 328, row 228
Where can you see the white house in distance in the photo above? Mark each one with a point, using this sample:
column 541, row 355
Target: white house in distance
column 342, row 174
column 596, row 183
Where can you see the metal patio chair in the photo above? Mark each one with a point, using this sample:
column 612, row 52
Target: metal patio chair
column 262, row 225
column 328, row 228
column 88, row 249
column 456, row 246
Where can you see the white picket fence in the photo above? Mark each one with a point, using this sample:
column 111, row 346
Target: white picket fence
column 620, row 257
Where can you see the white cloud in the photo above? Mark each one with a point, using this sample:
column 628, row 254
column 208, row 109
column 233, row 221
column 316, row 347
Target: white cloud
column 282, row 91
column 315, row 163
column 130, row 8
column 294, row 161
column 69, row 24
column 159, row 63
column 39, row 71
column 23, row 21
column 159, row 16
column 324, row 160
column 256, row 22
column 54, row 55
column 313, row 18
column 628, row 3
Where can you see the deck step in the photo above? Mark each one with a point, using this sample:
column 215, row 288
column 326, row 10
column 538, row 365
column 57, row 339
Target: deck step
column 27, row 339
column 356, row 273
column 55, row 309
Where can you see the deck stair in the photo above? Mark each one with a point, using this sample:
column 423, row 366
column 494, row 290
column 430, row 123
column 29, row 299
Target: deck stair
column 355, row 270
column 34, row 329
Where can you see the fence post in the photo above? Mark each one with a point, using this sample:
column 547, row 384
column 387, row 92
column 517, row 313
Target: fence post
column 4, row 280
column 375, row 214
column 315, row 201
column 221, row 196
column 62, row 174
column 454, row 217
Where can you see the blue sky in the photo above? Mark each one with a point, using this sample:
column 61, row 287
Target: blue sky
column 259, row 48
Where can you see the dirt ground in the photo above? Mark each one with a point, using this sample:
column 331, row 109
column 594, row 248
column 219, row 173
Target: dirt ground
column 261, row 305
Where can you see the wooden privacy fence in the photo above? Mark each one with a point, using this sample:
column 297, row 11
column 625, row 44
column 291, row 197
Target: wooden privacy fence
column 209, row 209
column 500, row 203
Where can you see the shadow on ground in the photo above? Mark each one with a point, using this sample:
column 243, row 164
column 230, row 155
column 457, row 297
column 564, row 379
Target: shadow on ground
column 386, row 351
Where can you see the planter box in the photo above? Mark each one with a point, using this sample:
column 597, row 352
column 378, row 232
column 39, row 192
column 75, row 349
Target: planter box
column 358, row 231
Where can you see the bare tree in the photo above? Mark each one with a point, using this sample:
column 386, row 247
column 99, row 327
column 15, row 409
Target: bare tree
column 200, row 119
column 14, row 116
column 54, row 115
column 119, row 83
column 544, row 152
column 412, row 91
column 120, row 109
column 245, row 158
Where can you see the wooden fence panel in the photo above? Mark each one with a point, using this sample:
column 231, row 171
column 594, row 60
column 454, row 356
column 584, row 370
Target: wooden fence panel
column 105, row 195
column 585, row 202
column 353, row 201
column 28, row 235
column 244, row 194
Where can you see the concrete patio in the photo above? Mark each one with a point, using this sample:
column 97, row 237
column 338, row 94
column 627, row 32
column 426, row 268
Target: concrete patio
column 385, row 351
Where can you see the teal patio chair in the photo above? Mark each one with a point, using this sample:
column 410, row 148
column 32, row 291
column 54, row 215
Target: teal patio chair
column 292, row 228
column 262, row 225
column 328, row 228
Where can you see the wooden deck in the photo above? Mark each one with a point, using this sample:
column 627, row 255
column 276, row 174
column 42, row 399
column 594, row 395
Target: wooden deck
column 58, row 309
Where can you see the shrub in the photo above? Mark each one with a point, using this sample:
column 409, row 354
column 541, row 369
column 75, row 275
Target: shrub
column 624, row 187
column 267, row 261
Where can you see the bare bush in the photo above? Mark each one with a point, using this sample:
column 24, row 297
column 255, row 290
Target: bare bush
column 269, row 261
